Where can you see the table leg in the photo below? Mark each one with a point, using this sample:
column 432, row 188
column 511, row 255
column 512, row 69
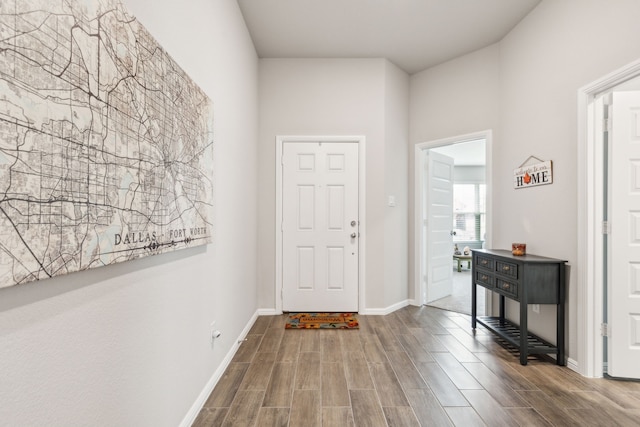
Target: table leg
column 474, row 305
column 474, row 297
column 560, row 316
column 560, row 334
column 524, row 344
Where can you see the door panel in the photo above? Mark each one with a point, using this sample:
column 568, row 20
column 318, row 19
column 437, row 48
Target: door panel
column 306, row 207
column 335, row 268
column 335, row 208
column 439, row 223
column 624, row 254
column 320, row 201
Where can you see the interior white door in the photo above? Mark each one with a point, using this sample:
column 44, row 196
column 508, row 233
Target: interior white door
column 320, row 226
column 439, row 212
column 624, row 248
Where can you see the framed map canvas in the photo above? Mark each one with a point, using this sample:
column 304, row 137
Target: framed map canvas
column 106, row 145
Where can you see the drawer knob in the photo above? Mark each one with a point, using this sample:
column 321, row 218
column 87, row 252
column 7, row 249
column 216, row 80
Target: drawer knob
column 506, row 268
column 484, row 262
column 485, row 277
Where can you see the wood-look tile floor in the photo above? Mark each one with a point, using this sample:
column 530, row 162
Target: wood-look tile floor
column 419, row 366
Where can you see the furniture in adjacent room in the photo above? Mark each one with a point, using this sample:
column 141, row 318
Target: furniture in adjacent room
column 528, row 279
column 460, row 259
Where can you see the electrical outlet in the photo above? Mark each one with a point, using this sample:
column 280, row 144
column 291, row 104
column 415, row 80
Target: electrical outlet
column 535, row 308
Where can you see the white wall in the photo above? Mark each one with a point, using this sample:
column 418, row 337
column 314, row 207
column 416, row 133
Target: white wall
column 332, row 97
column 457, row 97
column 128, row 345
column 531, row 104
column 396, row 184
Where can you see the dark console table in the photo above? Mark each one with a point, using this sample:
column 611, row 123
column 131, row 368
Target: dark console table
column 528, row 279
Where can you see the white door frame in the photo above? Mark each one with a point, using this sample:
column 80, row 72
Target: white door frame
column 361, row 141
column 419, row 158
column 590, row 298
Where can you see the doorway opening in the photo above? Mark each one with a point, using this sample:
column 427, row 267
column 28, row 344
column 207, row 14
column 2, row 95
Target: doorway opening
column 447, row 238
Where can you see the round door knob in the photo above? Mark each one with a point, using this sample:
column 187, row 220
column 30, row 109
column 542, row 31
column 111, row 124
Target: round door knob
column 353, row 235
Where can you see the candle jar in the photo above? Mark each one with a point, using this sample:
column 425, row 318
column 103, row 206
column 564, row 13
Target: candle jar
column 518, row 249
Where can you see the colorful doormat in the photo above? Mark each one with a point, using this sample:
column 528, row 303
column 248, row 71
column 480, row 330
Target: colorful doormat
column 322, row 321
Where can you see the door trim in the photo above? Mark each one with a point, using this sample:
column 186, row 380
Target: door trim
column 590, row 265
column 361, row 141
column 419, row 245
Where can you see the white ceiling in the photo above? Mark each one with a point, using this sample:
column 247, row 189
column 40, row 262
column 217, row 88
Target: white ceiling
column 470, row 153
column 413, row 34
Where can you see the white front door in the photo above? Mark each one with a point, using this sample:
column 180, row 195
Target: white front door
column 624, row 248
column 439, row 224
column 320, row 226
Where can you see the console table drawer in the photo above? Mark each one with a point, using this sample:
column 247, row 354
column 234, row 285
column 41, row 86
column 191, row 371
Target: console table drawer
column 511, row 289
column 507, row 269
column 484, row 262
column 484, row 279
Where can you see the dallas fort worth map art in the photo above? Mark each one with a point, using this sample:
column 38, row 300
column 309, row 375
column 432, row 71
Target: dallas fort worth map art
column 106, row 145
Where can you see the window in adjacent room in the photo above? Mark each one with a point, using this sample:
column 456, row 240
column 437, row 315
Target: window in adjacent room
column 469, row 212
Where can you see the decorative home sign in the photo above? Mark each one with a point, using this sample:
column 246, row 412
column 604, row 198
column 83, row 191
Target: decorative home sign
column 106, row 150
column 533, row 174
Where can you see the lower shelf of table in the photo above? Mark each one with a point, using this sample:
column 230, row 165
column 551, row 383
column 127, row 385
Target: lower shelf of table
column 510, row 332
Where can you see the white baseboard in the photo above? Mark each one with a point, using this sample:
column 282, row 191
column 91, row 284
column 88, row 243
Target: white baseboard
column 384, row 311
column 191, row 416
column 573, row 365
